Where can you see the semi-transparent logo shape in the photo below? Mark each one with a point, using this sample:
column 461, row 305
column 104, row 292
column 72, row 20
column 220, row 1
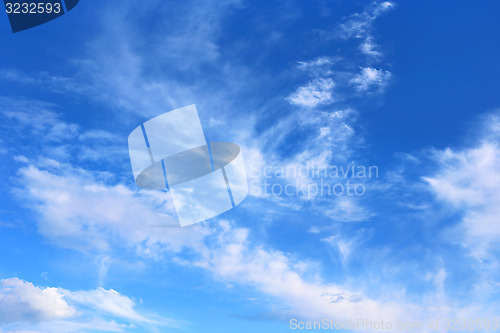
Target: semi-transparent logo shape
column 170, row 152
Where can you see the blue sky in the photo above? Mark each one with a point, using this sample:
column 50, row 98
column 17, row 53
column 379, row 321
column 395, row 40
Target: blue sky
column 407, row 87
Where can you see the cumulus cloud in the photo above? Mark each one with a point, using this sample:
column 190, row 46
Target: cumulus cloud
column 22, row 301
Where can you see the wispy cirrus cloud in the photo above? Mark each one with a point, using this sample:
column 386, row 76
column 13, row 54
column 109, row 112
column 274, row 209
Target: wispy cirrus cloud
column 360, row 26
column 234, row 259
column 37, row 117
column 18, row 76
column 57, row 137
column 112, row 71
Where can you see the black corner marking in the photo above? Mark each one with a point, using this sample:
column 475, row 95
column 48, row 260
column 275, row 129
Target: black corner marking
column 26, row 14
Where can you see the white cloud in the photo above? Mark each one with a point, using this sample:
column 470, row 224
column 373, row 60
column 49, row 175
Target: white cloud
column 334, row 138
column 233, row 259
column 114, row 70
column 50, row 134
column 67, row 326
column 60, row 139
column 3, row 149
column 319, row 91
column 360, row 26
column 17, row 76
column 370, row 78
column 331, row 141
column 79, row 212
column 110, row 302
column 37, row 116
column 345, row 245
column 317, row 65
column 370, row 48
column 193, row 39
column 22, row 301
column 98, row 135
column 25, row 307
column 469, row 180
column 348, row 209
column 76, row 210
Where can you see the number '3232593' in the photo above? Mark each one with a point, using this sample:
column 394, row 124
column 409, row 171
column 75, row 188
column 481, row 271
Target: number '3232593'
column 32, row 8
